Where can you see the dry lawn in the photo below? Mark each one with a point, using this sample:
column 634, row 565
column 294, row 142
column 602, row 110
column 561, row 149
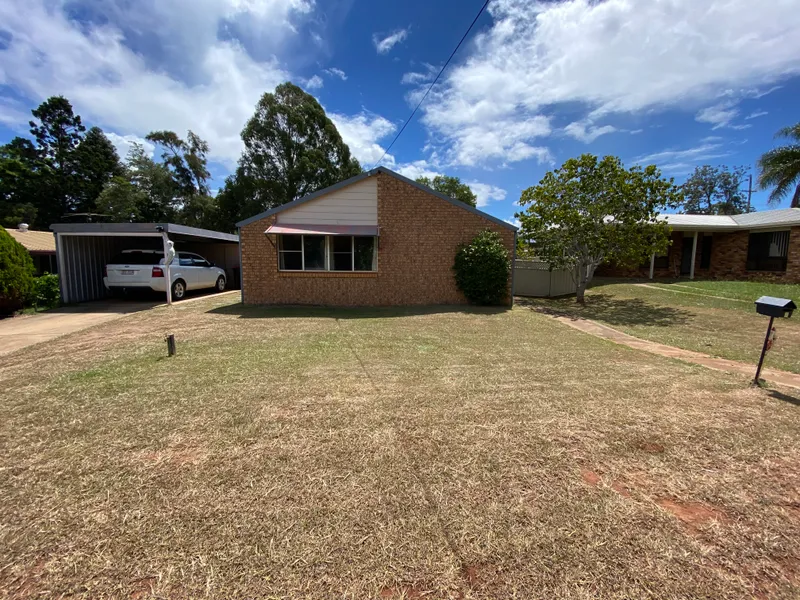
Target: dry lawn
column 301, row 453
column 713, row 317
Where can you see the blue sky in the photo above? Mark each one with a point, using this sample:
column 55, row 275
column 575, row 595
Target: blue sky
column 677, row 83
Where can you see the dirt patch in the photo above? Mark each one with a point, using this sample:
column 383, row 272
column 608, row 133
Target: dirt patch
column 650, row 447
column 620, row 489
column 693, row 513
column 142, row 588
column 590, row 477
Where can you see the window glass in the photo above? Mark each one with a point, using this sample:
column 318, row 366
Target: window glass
column 705, row 252
column 364, row 253
column 290, row 252
column 768, row 251
column 185, row 260
column 314, row 251
column 341, row 253
column 290, row 242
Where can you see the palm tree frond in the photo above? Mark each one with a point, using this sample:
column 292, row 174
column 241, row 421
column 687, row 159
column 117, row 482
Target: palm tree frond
column 791, row 132
column 796, row 197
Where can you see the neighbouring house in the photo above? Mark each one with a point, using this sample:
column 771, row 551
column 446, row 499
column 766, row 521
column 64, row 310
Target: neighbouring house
column 375, row 239
column 41, row 245
column 759, row 245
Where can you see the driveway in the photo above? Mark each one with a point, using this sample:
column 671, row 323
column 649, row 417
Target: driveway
column 26, row 330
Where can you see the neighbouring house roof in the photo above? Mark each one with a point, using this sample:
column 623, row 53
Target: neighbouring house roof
column 786, row 217
column 35, row 241
column 361, row 177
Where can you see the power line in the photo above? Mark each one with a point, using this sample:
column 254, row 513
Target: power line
column 452, row 54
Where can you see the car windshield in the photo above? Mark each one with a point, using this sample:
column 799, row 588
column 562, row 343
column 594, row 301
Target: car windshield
column 137, row 258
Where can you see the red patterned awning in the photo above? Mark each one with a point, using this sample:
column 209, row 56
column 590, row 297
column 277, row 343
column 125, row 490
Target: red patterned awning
column 287, row 229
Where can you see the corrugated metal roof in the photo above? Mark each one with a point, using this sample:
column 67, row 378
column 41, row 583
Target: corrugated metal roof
column 786, row 217
column 35, row 241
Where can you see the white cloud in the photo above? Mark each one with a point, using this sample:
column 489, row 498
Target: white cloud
column 416, row 169
column 585, row 131
column 635, row 131
column 384, row 44
column 362, row 132
column 333, row 71
column 112, row 86
column 756, row 114
column 314, row 83
column 513, row 221
column 414, row 78
column 719, row 115
column 615, row 56
column 665, row 158
column 124, row 143
column 486, row 192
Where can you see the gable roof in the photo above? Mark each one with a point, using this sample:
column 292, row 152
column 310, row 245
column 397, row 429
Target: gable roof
column 785, row 217
column 361, row 177
column 34, row 241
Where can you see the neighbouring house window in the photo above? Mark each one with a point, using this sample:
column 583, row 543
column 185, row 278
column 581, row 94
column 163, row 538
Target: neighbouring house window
column 768, row 251
column 661, row 261
column 705, row 252
column 327, row 253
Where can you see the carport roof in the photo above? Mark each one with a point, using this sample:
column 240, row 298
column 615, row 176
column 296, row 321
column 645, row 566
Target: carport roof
column 134, row 229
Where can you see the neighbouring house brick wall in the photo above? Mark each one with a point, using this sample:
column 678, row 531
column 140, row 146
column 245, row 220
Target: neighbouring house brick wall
column 728, row 259
column 419, row 235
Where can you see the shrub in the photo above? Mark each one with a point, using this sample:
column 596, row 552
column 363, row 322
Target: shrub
column 482, row 268
column 46, row 293
column 16, row 274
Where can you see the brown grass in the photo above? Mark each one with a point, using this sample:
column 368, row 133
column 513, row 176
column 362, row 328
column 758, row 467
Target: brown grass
column 310, row 453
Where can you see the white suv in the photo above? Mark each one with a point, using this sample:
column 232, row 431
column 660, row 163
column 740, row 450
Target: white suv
column 132, row 269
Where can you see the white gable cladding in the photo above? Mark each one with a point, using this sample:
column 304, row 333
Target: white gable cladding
column 355, row 204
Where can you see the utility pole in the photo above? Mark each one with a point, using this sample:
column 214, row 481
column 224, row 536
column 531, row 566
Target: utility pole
column 749, row 190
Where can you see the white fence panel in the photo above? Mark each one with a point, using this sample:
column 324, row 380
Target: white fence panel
column 535, row 278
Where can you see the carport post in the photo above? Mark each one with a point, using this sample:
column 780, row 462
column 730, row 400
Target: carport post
column 165, row 239
column 694, row 255
column 652, row 264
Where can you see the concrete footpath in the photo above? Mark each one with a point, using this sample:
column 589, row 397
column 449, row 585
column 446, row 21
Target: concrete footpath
column 720, row 364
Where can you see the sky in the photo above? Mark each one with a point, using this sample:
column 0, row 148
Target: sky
column 676, row 83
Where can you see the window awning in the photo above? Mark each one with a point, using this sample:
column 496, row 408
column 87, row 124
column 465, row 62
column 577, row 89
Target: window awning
column 287, row 229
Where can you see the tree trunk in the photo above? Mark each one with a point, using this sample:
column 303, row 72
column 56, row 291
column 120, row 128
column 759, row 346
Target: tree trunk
column 581, row 290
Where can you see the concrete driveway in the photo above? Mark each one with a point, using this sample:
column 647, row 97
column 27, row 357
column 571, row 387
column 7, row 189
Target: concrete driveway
column 26, row 330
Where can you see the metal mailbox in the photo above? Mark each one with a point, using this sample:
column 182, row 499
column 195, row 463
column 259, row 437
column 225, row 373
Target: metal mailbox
column 775, row 307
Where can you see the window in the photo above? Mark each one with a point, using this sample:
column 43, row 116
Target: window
column 661, row 261
column 705, row 252
column 185, row 260
column 327, row 253
column 768, row 251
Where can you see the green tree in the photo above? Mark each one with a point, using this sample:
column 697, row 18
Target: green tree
column 780, row 168
column 451, row 186
column 96, row 163
column 57, row 131
column 186, row 160
column 593, row 210
column 715, row 191
column 291, row 148
column 145, row 192
column 17, row 183
column 16, row 274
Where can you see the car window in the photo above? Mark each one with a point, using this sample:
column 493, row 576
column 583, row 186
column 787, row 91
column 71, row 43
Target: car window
column 199, row 261
column 185, row 260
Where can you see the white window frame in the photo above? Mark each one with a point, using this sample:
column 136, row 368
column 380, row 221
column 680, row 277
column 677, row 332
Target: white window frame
column 328, row 254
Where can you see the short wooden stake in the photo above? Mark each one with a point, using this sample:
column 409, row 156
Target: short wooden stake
column 170, row 344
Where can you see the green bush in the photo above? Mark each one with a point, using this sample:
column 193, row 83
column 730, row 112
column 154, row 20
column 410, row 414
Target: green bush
column 46, row 293
column 16, row 274
column 482, row 268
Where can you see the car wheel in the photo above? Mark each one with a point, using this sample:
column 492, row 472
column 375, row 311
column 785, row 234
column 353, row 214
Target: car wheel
column 220, row 284
column 178, row 289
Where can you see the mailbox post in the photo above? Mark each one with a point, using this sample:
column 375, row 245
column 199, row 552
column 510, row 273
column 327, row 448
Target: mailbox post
column 771, row 307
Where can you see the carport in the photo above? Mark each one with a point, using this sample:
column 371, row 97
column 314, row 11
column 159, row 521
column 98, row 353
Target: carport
column 83, row 250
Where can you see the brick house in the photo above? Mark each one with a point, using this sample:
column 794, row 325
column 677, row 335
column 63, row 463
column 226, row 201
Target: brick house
column 760, row 245
column 376, row 239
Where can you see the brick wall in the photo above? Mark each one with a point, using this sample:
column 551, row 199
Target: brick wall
column 728, row 260
column 419, row 235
